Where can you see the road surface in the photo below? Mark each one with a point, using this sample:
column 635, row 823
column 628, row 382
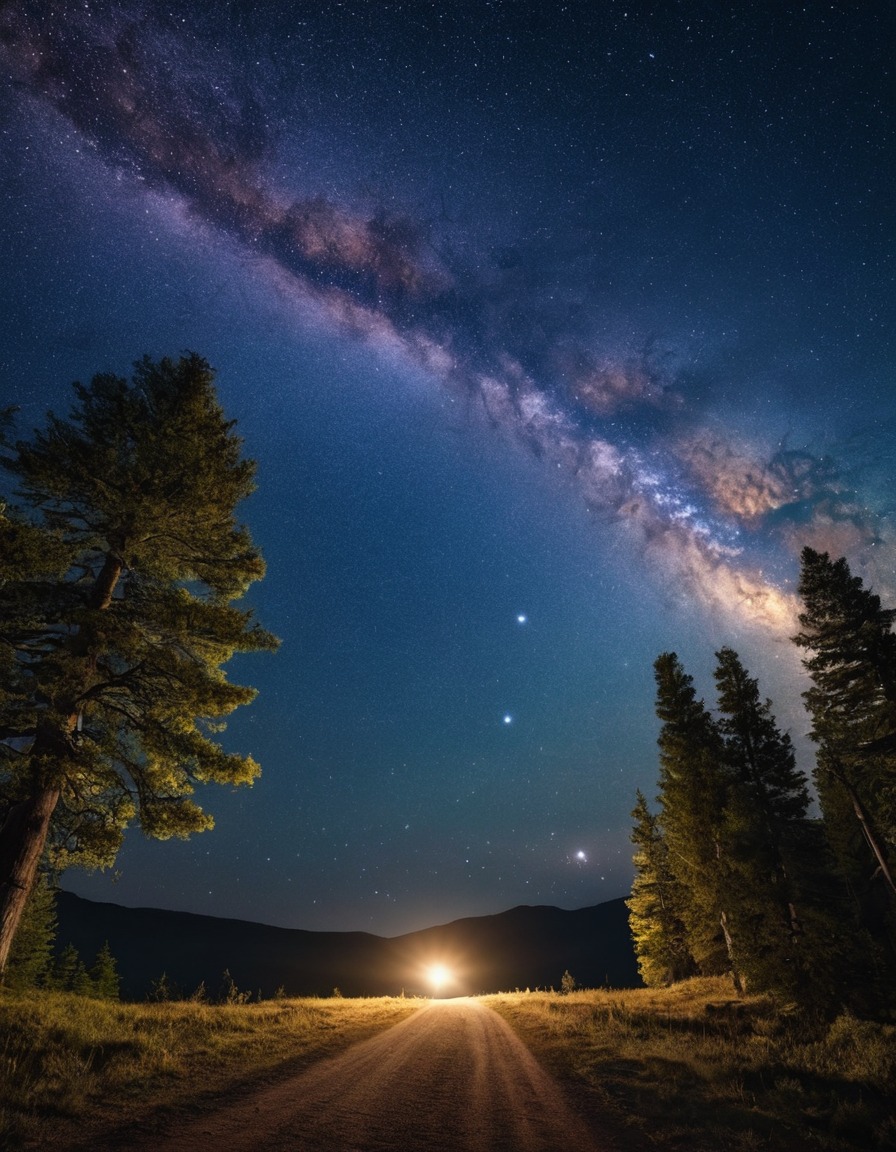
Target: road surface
column 452, row 1077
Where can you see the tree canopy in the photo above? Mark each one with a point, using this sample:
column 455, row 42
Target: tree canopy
column 852, row 663
column 804, row 906
column 731, row 874
column 123, row 559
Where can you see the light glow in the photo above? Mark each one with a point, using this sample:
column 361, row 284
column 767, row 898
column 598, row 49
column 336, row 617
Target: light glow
column 438, row 975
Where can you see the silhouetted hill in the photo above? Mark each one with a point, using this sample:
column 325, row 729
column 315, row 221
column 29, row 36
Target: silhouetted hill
column 524, row 947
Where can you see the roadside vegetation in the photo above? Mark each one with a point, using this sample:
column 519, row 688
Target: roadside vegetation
column 693, row 1067
column 72, row 1066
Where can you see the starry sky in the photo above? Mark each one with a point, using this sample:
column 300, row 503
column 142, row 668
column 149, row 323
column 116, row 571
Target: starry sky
column 556, row 330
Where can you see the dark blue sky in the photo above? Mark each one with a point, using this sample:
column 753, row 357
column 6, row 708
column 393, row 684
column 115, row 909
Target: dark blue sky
column 575, row 312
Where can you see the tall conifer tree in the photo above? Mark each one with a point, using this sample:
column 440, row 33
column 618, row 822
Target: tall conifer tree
column 852, row 702
column 656, row 905
column 104, row 975
column 111, row 681
column 693, row 790
column 785, row 897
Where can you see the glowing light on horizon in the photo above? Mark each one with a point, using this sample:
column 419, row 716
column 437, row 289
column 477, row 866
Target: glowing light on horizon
column 438, row 975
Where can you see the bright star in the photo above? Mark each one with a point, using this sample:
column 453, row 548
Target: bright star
column 508, row 719
column 580, row 855
column 522, row 618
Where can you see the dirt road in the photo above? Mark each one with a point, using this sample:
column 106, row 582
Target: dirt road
column 452, row 1077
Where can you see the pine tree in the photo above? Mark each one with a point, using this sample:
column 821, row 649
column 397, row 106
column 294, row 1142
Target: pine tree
column 31, row 956
column 68, row 969
column 853, row 707
column 694, row 786
column 111, row 682
column 656, row 905
column 82, row 982
column 784, row 894
column 104, row 975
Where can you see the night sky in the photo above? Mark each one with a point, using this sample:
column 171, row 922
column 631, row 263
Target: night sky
column 556, row 329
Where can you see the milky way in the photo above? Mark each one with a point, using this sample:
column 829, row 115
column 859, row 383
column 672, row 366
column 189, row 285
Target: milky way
column 704, row 506
column 649, row 250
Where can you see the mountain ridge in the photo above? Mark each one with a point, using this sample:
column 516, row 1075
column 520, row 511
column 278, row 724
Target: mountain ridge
column 525, row 946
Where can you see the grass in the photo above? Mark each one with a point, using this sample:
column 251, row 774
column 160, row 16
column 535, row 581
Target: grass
column 685, row 1069
column 692, row 1068
column 71, row 1066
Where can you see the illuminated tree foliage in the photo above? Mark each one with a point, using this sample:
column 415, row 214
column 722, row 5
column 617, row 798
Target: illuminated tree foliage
column 694, row 785
column 104, row 975
column 852, row 703
column 783, row 891
column 732, row 871
column 121, row 565
column 656, row 905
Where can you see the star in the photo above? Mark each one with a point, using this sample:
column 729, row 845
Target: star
column 522, row 618
column 508, row 719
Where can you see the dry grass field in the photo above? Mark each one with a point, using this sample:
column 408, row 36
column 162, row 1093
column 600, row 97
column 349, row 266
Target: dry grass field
column 69, row 1064
column 693, row 1068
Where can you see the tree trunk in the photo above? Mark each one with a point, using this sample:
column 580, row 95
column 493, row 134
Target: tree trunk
column 729, row 946
column 22, row 841
column 106, row 581
column 868, row 831
column 24, row 833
